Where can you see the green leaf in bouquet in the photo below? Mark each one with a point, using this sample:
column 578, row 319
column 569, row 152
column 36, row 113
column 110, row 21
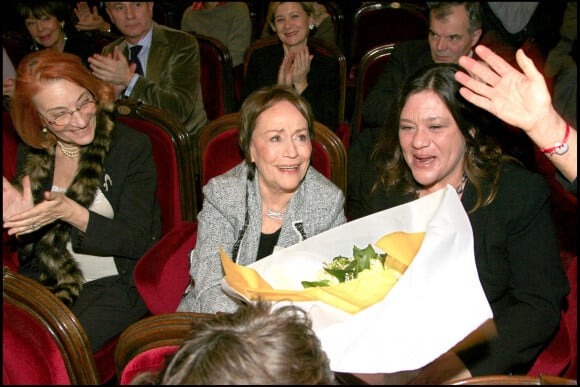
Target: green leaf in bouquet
column 313, row 284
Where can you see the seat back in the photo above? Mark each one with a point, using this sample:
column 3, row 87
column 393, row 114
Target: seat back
column 337, row 16
column 173, row 154
column 219, row 150
column 162, row 273
column 216, row 77
column 9, row 155
column 370, row 68
column 560, row 357
column 15, row 44
column 144, row 345
column 321, row 46
column 375, row 24
column 505, row 380
column 42, row 341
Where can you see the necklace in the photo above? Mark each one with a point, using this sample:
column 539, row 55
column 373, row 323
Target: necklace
column 71, row 151
column 461, row 185
column 459, row 188
column 276, row 215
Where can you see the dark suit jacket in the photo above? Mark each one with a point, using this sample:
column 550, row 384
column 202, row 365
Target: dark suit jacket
column 323, row 81
column 172, row 79
column 519, row 266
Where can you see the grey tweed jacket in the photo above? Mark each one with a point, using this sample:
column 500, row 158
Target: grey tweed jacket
column 317, row 206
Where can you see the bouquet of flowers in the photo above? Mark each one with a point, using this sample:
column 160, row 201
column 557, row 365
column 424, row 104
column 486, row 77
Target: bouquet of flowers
column 381, row 322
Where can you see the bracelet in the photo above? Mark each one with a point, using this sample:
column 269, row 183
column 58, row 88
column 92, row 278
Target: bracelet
column 559, row 148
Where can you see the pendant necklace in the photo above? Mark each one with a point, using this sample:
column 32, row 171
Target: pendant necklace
column 459, row 188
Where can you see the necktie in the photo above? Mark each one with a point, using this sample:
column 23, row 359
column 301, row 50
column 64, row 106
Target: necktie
column 135, row 59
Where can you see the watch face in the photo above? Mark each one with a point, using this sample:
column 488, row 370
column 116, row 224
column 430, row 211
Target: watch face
column 560, row 150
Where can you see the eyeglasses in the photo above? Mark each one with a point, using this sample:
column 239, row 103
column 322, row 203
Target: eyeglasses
column 63, row 117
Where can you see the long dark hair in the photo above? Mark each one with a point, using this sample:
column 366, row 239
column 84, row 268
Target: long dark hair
column 482, row 155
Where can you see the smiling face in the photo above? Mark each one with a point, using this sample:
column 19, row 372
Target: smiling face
column 432, row 144
column 133, row 19
column 280, row 147
column 449, row 36
column 291, row 24
column 60, row 97
column 45, row 30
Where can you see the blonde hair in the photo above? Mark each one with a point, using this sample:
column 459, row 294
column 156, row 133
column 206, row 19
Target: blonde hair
column 310, row 7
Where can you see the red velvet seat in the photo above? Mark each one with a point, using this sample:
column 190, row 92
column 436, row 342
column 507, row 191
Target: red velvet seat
column 216, row 77
column 173, row 158
column 9, row 150
column 42, row 340
column 376, row 24
column 370, row 68
column 144, row 345
column 560, row 357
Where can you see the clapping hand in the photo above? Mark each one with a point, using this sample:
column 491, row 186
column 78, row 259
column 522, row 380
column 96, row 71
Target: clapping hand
column 87, row 21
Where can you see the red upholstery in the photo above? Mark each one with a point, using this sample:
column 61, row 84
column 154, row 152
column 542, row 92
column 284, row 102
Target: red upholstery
column 22, row 335
column 370, row 68
column 168, row 182
column 42, row 340
column 9, row 150
column 380, row 23
column 162, row 274
column 560, row 357
column 223, row 153
column 151, row 360
column 216, row 77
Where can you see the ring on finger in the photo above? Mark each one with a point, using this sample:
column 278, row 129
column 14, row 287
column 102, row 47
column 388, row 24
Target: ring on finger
column 34, row 226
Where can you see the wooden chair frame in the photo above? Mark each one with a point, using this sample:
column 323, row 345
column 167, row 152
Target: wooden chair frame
column 325, row 48
column 363, row 87
column 36, row 300
column 506, row 380
column 183, row 148
column 227, row 71
column 154, row 332
column 322, row 134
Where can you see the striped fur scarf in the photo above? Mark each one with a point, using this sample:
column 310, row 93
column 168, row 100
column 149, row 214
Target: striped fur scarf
column 59, row 271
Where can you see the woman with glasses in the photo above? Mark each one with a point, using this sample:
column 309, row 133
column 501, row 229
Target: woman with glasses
column 83, row 203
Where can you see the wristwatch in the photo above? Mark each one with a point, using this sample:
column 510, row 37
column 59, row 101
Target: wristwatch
column 559, row 148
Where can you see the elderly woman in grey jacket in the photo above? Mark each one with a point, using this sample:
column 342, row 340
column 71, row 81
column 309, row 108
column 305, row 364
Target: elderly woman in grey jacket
column 274, row 198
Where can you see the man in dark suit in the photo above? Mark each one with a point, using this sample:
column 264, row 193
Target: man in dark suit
column 164, row 71
column 454, row 29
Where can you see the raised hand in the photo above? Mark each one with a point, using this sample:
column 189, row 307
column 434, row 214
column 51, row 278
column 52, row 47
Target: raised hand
column 520, row 99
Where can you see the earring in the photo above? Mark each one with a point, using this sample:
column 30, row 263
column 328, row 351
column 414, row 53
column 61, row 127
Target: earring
column 311, row 26
column 44, row 130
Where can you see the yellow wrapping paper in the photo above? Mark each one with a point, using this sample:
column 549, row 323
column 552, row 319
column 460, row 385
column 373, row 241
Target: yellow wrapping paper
column 351, row 296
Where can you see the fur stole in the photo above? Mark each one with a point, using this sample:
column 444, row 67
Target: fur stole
column 59, row 271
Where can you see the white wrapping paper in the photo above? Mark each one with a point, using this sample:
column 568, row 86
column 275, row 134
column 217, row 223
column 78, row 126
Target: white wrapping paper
column 434, row 305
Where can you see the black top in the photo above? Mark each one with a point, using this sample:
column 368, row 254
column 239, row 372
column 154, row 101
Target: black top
column 518, row 262
column 267, row 243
